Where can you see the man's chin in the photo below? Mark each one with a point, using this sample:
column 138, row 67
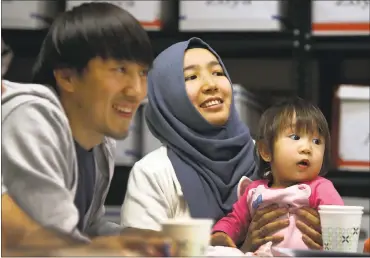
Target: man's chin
column 118, row 135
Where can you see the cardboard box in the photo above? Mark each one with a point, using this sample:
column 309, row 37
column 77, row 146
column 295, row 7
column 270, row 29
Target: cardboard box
column 28, row 14
column 230, row 15
column 149, row 13
column 128, row 150
column 350, row 128
column 340, row 17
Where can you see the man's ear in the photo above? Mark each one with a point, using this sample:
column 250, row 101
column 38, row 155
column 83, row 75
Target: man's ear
column 264, row 151
column 65, row 78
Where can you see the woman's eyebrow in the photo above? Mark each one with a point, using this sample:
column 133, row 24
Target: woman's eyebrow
column 213, row 63
column 190, row 67
column 193, row 67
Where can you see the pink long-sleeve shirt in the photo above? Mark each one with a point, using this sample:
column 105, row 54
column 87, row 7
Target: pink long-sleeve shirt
column 257, row 195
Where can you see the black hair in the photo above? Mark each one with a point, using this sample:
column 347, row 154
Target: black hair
column 88, row 31
column 308, row 119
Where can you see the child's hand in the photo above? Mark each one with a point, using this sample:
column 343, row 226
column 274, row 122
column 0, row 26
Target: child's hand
column 222, row 239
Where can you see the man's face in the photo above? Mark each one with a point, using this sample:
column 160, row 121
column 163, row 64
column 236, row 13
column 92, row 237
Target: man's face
column 107, row 94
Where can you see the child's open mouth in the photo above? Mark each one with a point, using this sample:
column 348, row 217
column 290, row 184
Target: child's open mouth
column 304, row 163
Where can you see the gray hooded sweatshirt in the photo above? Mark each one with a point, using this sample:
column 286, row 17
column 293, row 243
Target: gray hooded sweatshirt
column 39, row 162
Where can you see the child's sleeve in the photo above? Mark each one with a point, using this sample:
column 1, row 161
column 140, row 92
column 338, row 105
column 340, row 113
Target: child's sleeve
column 236, row 223
column 324, row 193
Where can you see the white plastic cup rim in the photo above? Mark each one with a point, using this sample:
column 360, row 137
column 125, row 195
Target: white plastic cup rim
column 187, row 222
column 341, row 208
column 334, row 212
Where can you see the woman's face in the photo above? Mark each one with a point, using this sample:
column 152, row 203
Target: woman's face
column 208, row 88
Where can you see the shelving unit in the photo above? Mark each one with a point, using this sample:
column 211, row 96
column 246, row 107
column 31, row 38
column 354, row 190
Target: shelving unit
column 295, row 43
column 228, row 44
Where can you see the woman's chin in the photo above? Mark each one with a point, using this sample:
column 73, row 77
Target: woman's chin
column 217, row 120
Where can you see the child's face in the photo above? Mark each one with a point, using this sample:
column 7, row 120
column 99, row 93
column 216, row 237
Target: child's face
column 298, row 157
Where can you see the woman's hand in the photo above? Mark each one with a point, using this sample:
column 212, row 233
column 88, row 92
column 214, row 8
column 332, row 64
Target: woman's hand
column 222, row 239
column 264, row 224
column 309, row 224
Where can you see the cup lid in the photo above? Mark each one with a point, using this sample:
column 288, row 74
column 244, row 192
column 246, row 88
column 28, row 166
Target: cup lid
column 187, row 221
column 354, row 212
column 340, row 207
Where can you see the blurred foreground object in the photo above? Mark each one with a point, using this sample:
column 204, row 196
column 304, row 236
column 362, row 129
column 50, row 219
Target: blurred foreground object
column 367, row 246
column 6, row 57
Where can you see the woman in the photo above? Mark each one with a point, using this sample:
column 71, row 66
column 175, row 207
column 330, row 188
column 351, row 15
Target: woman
column 206, row 148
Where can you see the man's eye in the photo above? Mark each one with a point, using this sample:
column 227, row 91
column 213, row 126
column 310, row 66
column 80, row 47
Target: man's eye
column 121, row 69
column 144, row 73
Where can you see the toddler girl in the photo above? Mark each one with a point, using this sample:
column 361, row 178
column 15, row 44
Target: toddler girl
column 292, row 151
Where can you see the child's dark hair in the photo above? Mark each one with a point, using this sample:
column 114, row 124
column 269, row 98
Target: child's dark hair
column 308, row 119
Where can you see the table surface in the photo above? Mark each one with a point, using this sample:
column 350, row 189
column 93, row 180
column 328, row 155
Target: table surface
column 278, row 251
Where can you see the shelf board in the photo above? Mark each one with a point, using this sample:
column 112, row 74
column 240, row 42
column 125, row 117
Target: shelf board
column 227, row 44
column 348, row 44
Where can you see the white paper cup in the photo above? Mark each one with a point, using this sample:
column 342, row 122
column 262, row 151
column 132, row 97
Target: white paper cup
column 191, row 235
column 340, row 229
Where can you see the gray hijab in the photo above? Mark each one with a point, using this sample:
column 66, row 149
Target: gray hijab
column 208, row 160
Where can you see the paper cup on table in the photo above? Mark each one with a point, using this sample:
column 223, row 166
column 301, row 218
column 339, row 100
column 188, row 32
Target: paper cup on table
column 191, row 235
column 340, row 229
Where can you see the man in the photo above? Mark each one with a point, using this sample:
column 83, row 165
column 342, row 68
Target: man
column 57, row 146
